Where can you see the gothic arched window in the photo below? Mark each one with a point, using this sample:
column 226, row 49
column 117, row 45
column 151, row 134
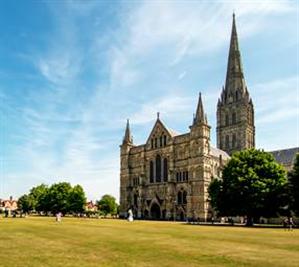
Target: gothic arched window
column 227, row 141
column 234, row 118
column 226, row 120
column 158, row 169
column 184, row 197
column 237, row 95
column 152, row 143
column 165, row 140
column 151, row 172
column 161, row 141
column 165, row 170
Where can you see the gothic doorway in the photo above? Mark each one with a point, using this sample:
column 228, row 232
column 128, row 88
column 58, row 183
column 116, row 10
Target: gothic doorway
column 155, row 211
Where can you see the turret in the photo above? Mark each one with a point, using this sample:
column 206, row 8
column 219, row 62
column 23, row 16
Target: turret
column 200, row 130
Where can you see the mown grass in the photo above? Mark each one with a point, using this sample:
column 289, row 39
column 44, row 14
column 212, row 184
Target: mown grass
column 38, row 242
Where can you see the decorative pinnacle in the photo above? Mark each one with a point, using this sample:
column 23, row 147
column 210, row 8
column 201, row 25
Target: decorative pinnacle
column 200, row 115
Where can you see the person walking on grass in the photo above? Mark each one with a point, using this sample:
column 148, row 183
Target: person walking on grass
column 290, row 223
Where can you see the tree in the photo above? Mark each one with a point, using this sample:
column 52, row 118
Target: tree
column 57, row 197
column 38, row 194
column 107, row 205
column 293, row 176
column 76, row 199
column 25, row 203
column 253, row 185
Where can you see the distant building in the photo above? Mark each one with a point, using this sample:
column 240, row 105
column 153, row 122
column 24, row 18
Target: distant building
column 90, row 206
column 9, row 205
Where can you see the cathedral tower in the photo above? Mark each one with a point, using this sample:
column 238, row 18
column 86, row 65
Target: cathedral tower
column 235, row 111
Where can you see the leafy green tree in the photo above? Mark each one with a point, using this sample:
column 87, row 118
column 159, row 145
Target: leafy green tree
column 293, row 176
column 214, row 192
column 57, row 197
column 253, row 185
column 38, row 194
column 107, row 205
column 25, row 203
column 76, row 199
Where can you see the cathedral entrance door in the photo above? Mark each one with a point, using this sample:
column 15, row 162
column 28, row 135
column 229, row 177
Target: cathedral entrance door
column 155, row 212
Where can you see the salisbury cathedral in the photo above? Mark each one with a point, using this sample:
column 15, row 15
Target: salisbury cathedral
column 168, row 176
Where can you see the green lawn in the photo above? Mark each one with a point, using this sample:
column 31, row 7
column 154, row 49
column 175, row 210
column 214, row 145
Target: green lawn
column 89, row 242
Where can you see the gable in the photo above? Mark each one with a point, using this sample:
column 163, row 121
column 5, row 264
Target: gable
column 160, row 135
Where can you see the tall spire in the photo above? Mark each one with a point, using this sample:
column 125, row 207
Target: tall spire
column 200, row 116
column 128, row 137
column 234, row 75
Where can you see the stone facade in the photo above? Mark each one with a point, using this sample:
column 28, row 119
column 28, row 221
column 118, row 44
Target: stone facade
column 168, row 177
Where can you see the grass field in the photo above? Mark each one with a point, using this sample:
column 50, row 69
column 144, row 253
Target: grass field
column 38, row 242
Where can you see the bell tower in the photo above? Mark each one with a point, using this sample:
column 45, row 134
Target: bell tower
column 235, row 111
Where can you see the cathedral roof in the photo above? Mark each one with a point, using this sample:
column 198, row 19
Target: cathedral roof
column 285, row 156
column 216, row 152
column 172, row 132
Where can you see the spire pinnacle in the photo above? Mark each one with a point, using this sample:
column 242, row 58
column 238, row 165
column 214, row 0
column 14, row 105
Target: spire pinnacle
column 128, row 137
column 200, row 115
column 234, row 75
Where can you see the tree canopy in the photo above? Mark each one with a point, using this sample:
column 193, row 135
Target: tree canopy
column 293, row 176
column 253, row 185
column 25, row 203
column 59, row 197
column 107, row 204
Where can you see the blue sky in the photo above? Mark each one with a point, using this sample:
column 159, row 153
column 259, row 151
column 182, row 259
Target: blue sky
column 72, row 72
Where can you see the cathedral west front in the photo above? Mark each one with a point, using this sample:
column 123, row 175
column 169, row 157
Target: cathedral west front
column 168, row 176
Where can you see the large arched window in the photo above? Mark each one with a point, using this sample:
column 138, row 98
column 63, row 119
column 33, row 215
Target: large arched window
column 234, row 118
column 158, row 169
column 180, row 197
column 227, row 142
column 184, row 197
column 226, row 119
column 165, row 170
column 151, row 172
